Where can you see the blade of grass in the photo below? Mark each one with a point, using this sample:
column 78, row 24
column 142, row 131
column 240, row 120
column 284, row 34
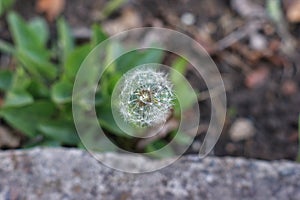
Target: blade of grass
column 6, row 47
column 111, row 6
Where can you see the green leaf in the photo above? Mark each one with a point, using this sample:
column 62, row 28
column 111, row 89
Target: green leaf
column 6, row 78
column 20, row 81
column 181, row 87
column 113, row 50
column 38, row 89
column 96, row 142
column 138, row 57
column 275, row 10
column 5, row 5
column 99, row 99
column 31, row 48
column 36, row 64
column 24, row 37
column 166, row 150
column 179, row 65
column 39, row 27
column 27, row 118
column 74, row 60
column 60, row 130
column 108, row 83
column 61, row 92
column 186, row 94
column 182, row 139
column 110, row 126
column 65, row 38
column 150, row 56
column 98, row 35
column 17, row 98
column 6, row 47
column 111, row 6
column 107, row 121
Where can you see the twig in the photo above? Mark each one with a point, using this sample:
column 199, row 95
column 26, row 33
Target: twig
column 236, row 36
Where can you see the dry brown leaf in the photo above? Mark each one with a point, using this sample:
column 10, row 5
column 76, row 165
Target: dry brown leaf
column 257, row 77
column 293, row 11
column 128, row 19
column 289, row 87
column 52, row 8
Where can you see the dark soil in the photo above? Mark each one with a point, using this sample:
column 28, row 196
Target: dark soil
column 270, row 103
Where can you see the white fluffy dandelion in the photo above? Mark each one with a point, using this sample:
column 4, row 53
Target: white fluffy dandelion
column 146, row 97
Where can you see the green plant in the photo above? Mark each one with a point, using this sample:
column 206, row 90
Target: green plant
column 5, row 5
column 38, row 90
column 110, row 7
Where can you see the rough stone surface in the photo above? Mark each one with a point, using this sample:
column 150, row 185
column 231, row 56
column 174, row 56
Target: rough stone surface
column 74, row 174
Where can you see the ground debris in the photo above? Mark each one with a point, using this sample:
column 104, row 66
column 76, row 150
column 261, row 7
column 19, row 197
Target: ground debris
column 293, row 10
column 8, row 139
column 52, row 8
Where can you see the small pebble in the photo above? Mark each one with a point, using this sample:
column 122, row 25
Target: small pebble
column 188, row 18
column 196, row 145
column 209, row 178
column 258, row 42
column 241, row 129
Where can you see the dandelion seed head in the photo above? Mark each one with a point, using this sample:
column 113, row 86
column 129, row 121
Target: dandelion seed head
column 146, row 97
